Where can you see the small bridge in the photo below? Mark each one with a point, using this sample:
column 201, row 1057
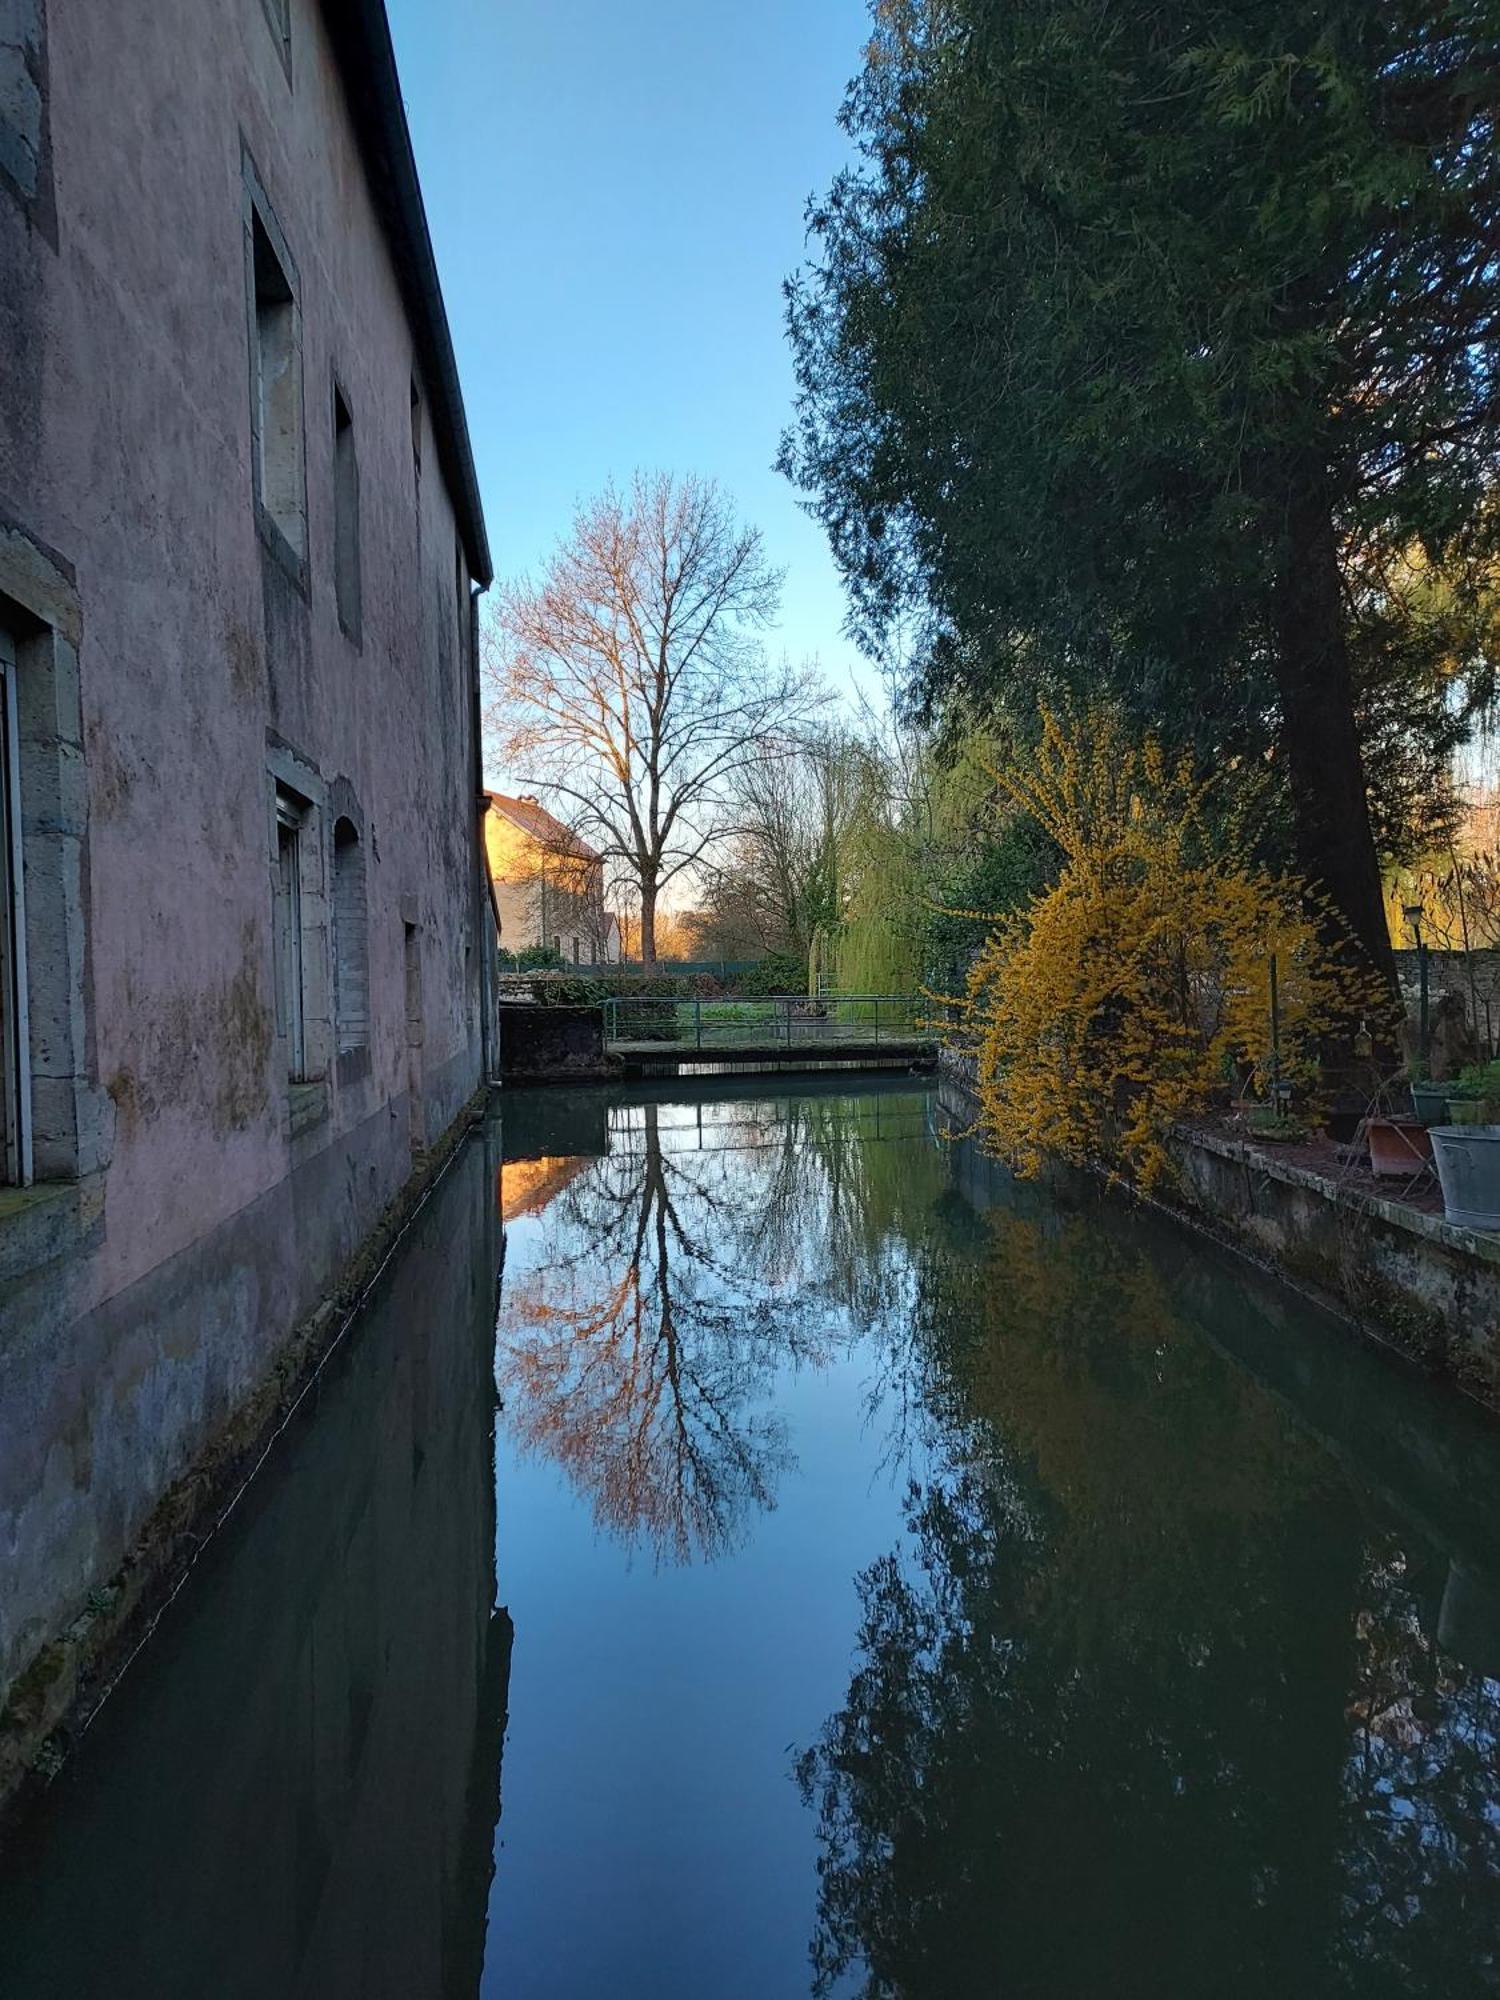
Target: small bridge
column 784, row 1031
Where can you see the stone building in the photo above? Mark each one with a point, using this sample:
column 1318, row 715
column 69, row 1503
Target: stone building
column 548, row 884
column 244, row 930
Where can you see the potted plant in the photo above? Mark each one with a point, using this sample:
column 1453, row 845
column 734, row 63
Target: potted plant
column 1429, row 1100
column 1467, row 1150
column 1268, row 1122
column 1475, row 1098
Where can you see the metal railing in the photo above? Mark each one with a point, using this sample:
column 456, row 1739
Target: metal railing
column 780, row 1021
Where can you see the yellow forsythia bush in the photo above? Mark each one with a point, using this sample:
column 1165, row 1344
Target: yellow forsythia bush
column 1116, row 1002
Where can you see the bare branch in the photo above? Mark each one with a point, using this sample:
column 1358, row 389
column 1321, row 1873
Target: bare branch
column 632, row 681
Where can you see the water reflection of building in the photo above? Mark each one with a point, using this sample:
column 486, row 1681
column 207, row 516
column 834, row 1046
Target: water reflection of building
column 300, row 1797
column 527, row 1186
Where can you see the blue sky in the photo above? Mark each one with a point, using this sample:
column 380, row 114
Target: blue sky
column 615, row 190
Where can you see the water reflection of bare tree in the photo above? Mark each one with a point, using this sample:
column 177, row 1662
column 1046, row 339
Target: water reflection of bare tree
column 640, row 1346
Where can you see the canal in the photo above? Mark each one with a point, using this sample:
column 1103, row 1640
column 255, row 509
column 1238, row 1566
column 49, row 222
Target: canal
column 797, row 1560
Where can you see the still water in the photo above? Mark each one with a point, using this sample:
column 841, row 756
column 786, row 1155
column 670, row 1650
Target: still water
column 837, row 1571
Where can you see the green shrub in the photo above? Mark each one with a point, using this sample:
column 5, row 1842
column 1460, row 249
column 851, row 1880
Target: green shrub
column 649, row 1022
column 778, row 972
column 1479, row 1080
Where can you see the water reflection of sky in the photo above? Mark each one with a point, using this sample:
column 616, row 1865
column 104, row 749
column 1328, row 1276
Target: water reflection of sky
column 924, row 1589
column 922, row 1586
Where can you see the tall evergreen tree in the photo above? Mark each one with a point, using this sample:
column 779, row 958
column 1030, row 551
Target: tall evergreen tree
column 1137, row 326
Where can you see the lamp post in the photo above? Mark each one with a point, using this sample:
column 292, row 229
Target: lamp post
column 1413, row 915
column 1281, row 1089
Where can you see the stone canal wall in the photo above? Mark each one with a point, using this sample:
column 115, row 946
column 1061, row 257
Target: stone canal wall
column 1412, row 1280
column 551, row 1044
column 1407, row 1280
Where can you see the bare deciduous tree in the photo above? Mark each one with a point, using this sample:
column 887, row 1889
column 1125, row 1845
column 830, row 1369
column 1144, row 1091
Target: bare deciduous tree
column 778, row 880
column 631, row 679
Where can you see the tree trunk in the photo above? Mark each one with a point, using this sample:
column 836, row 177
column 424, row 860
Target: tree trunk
column 1335, row 846
column 648, row 922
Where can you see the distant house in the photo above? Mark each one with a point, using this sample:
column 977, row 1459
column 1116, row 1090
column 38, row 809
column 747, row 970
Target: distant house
column 549, row 884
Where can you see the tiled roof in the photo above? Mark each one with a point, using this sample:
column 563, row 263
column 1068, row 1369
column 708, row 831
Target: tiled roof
column 534, row 818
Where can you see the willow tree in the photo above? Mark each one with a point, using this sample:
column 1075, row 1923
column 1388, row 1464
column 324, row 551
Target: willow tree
column 631, row 681
column 1135, row 324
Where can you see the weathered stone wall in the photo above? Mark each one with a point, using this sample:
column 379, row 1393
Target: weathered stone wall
column 1470, row 984
column 541, row 1043
column 1426, row 1287
column 195, row 1203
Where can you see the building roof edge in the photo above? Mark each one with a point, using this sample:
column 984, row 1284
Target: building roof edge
column 361, row 38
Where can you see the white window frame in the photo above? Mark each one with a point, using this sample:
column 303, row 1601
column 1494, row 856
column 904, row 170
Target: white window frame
column 17, row 1166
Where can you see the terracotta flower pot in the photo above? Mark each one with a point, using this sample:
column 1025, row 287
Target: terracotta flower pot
column 1399, row 1147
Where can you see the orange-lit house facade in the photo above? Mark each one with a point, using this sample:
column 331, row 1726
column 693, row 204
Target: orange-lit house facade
column 549, row 884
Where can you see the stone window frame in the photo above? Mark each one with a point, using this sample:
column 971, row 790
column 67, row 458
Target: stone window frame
column 294, row 854
column 257, row 212
column 305, row 1097
column 25, row 84
column 71, row 1118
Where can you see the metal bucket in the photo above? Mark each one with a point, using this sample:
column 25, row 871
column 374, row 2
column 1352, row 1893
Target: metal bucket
column 1468, row 1164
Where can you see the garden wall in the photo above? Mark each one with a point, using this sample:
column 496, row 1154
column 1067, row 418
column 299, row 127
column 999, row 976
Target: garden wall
column 1473, row 978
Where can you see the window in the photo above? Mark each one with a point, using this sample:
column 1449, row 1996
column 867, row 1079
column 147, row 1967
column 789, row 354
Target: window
column 56, row 1122
column 416, row 431
column 291, row 984
column 276, row 402
column 576, row 949
column 15, row 1077
column 345, row 517
column 351, row 940
column 416, row 1035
